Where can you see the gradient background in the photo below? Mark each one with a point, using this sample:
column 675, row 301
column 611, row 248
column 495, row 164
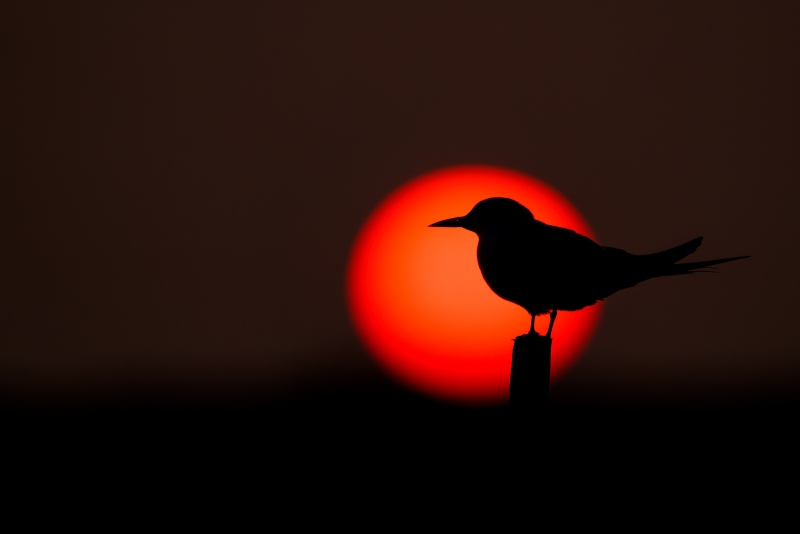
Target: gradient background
column 181, row 183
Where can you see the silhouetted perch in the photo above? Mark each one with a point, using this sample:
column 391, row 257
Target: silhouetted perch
column 530, row 373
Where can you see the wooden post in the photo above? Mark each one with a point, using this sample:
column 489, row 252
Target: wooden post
column 530, row 373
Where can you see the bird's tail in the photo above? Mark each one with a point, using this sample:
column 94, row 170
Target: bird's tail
column 674, row 254
column 697, row 266
column 664, row 263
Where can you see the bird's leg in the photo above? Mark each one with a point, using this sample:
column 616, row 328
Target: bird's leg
column 533, row 331
column 552, row 321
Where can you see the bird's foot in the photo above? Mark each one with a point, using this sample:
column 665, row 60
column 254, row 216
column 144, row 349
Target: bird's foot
column 532, row 331
column 552, row 322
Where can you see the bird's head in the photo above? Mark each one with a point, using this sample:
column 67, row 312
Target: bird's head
column 491, row 213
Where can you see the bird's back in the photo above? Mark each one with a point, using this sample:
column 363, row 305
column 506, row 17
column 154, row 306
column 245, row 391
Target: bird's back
column 542, row 267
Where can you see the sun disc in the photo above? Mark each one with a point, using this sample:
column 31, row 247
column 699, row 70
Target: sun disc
column 418, row 301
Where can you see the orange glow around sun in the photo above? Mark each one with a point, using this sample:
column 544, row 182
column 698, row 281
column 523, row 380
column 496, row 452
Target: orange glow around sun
column 418, row 300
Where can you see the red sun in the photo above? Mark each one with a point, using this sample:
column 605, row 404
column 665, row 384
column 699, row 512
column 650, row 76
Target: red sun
column 418, row 300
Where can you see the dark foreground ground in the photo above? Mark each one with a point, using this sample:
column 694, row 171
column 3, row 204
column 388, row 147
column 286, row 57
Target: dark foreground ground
column 359, row 450
column 388, row 419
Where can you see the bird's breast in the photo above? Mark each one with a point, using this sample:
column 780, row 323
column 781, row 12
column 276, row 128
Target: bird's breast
column 510, row 268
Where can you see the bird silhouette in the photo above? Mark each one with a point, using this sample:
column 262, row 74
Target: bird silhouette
column 546, row 268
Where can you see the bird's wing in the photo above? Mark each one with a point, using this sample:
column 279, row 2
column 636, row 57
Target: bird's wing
column 622, row 270
column 569, row 257
column 575, row 268
column 568, row 245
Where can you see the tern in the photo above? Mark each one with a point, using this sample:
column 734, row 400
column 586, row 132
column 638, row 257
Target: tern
column 546, row 268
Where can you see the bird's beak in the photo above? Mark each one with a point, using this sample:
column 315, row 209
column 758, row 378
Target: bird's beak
column 455, row 222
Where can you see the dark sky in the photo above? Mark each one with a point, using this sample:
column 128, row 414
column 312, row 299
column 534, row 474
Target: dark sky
column 180, row 183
